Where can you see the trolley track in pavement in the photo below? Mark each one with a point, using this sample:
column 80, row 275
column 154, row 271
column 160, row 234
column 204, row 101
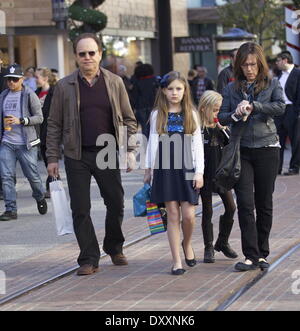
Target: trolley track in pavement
column 225, row 303
column 26, row 290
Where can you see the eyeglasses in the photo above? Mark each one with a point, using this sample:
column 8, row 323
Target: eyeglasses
column 14, row 79
column 246, row 65
column 90, row 53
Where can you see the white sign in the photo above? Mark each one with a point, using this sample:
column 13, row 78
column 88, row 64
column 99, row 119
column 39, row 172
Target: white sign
column 2, row 22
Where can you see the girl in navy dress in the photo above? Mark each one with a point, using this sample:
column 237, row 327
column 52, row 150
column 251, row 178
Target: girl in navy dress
column 175, row 154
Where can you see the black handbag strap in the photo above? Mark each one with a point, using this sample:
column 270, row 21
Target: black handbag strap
column 240, row 128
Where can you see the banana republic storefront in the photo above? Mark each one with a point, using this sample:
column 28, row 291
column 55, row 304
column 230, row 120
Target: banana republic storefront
column 30, row 37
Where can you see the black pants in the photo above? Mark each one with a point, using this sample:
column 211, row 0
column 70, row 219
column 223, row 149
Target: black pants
column 254, row 190
column 207, row 213
column 79, row 175
column 286, row 125
column 43, row 149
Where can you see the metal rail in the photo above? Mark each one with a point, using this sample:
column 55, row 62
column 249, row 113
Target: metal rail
column 242, row 290
column 69, row 271
column 66, row 273
column 221, row 307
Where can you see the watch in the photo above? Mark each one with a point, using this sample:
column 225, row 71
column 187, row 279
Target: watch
column 22, row 121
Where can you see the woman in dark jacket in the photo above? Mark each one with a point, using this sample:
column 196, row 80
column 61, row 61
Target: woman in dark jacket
column 253, row 100
column 45, row 82
column 143, row 95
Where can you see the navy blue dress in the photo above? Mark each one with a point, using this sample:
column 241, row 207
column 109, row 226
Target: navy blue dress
column 173, row 173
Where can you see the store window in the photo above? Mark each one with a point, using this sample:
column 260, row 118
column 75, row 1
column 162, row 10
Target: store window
column 125, row 51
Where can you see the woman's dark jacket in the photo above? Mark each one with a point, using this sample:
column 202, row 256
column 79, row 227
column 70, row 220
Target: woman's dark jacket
column 260, row 129
column 143, row 94
column 46, row 110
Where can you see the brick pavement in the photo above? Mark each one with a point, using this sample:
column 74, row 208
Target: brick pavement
column 277, row 290
column 146, row 283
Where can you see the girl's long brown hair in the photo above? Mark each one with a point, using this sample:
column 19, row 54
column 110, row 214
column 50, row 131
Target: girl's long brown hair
column 263, row 78
column 162, row 105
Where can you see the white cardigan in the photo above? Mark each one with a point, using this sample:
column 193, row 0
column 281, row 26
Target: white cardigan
column 197, row 145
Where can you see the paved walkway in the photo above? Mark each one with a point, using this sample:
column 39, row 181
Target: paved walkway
column 146, row 283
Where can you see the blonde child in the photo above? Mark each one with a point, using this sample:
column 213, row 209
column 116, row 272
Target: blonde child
column 215, row 137
column 175, row 154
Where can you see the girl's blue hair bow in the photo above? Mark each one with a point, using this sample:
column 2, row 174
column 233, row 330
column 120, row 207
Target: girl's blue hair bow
column 163, row 81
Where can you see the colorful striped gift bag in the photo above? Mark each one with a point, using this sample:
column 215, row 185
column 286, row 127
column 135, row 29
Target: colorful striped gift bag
column 154, row 219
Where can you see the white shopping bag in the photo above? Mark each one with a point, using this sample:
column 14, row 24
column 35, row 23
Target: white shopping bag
column 61, row 208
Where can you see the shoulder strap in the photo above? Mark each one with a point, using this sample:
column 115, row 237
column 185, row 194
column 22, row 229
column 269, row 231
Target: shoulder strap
column 29, row 105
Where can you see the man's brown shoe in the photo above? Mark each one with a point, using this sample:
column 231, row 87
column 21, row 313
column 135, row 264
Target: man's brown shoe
column 119, row 259
column 87, row 269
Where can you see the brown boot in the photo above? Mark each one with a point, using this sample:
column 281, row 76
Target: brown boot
column 87, row 269
column 119, row 259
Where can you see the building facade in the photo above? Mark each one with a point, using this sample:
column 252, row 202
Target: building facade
column 31, row 38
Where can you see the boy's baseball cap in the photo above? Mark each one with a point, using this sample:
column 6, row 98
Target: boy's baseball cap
column 14, row 71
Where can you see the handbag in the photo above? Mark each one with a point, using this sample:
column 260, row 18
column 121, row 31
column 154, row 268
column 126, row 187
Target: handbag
column 229, row 169
column 61, row 208
column 154, row 219
column 139, row 201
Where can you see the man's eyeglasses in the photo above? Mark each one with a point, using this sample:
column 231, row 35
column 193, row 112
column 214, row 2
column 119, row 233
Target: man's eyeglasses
column 13, row 79
column 90, row 53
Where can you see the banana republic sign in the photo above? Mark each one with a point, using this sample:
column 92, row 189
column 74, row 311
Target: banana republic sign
column 193, row 44
column 134, row 22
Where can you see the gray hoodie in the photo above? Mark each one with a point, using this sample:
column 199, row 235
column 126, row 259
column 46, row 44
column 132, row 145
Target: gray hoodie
column 31, row 112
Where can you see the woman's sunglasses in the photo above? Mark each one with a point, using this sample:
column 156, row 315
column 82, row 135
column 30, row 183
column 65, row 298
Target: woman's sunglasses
column 90, row 53
column 14, row 79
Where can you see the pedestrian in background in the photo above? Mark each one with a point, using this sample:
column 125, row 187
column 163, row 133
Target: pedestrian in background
column 215, row 138
column 143, row 95
column 288, row 123
column 192, row 74
column 252, row 101
column 29, row 80
column 226, row 75
column 89, row 103
column 45, row 81
column 176, row 183
column 2, row 87
column 20, row 111
column 201, row 83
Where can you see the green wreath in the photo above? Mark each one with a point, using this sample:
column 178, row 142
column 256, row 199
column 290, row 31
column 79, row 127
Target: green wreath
column 92, row 20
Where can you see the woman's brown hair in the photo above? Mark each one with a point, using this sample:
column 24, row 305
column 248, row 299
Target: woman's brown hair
column 162, row 105
column 262, row 79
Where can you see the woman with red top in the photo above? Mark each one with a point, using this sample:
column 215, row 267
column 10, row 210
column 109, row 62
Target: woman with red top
column 45, row 81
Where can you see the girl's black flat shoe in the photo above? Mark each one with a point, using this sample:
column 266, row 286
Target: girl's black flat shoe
column 178, row 272
column 191, row 262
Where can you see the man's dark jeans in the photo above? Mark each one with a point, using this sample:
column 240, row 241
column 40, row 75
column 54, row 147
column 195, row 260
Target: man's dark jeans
column 79, row 175
column 254, row 190
column 287, row 126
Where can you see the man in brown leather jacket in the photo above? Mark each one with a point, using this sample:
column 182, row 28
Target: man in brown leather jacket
column 88, row 105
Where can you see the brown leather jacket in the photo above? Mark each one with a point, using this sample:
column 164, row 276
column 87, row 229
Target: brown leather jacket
column 64, row 118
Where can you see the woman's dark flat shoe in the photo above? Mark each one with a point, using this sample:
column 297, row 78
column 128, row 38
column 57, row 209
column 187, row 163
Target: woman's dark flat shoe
column 178, row 272
column 191, row 262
